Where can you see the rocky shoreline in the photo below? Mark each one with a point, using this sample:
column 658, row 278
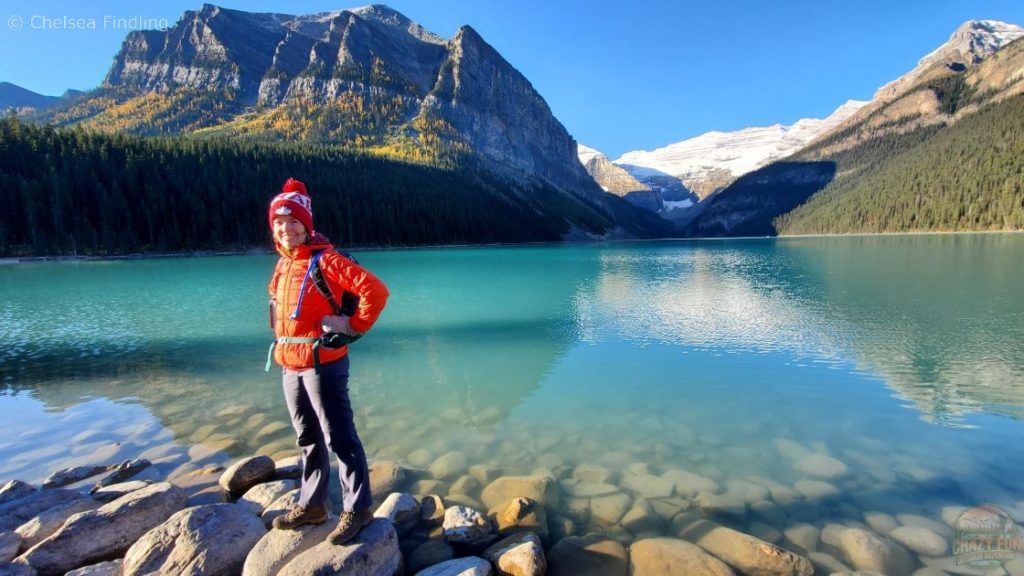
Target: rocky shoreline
column 160, row 514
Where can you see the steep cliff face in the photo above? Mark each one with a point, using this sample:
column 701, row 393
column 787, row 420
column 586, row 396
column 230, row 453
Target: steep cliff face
column 367, row 79
column 493, row 109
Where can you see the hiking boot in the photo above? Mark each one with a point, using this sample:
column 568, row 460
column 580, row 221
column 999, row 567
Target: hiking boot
column 300, row 516
column 349, row 525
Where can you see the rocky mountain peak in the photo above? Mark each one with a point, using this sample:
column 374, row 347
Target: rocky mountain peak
column 388, row 16
column 970, row 43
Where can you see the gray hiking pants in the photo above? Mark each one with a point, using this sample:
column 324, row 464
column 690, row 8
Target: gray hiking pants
column 322, row 417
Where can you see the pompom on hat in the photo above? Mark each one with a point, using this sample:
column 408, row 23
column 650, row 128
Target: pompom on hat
column 293, row 201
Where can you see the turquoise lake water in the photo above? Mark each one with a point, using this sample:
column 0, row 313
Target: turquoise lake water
column 900, row 356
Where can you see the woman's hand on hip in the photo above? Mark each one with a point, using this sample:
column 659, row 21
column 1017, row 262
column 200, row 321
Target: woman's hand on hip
column 338, row 324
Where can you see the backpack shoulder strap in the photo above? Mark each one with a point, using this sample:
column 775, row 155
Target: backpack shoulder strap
column 348, row 301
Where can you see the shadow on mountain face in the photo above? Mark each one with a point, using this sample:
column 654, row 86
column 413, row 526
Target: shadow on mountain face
column 748, row 206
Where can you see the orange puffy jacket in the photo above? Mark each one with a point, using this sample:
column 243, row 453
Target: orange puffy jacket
column 341, row 274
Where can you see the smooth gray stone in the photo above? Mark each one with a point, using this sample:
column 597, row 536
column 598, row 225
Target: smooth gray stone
column 211, row 540
column 463, row 525
column 521, row 554
column 590, row 555
column 16, row 512
column 374, row 552
column 122, row 472
column 386, row 476
column 402, row 510
column 105, row 532
column 261, row 496
column 288, row 468
column 115, row 491
column 657, row 556
column 16, row 569
column 10, row 543
column 111, row 568
column 471, row 566
column 15, row 489
column 66, row 476
column 279, row 547
column 47, row 522
column 246, row 473
column 745, row 553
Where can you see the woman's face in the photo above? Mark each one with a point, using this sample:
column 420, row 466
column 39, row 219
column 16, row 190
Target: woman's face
column 289, row 232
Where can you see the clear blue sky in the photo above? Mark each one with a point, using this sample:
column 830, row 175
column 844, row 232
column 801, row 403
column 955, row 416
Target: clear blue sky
column 620, row 75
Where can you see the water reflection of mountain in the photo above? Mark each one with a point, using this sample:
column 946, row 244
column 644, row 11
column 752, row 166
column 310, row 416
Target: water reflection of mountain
column 939, row 317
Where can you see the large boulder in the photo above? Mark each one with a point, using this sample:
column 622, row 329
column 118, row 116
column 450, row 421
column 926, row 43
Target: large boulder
column 471, row 566
column 16, row 512
column 590, row 555
column 279, row 547
column 540, row 489
column 280, row 506
column 518, row 555
column 246, row 473
column 747, row 554
column 211, row 540
column 46, row 523
column 374, row 552
column 105, row 532
column 665, row 556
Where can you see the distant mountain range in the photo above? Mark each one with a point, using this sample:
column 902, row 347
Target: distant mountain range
column 22, row 100
column 366, row 79
column 939, row 149
column 712, row 161
column 742, row 181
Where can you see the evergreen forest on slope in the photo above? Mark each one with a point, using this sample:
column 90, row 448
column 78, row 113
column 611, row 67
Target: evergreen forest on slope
column 69, row 191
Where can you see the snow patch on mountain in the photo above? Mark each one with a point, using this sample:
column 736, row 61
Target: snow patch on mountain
column 738, row 152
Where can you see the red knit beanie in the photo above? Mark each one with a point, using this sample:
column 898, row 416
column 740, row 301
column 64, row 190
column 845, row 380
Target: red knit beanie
column 293, row 201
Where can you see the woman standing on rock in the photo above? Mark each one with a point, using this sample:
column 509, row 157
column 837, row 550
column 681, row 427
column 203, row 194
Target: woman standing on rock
column 312, row 328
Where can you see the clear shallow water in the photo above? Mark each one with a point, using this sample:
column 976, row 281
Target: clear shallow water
column 902, row 357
